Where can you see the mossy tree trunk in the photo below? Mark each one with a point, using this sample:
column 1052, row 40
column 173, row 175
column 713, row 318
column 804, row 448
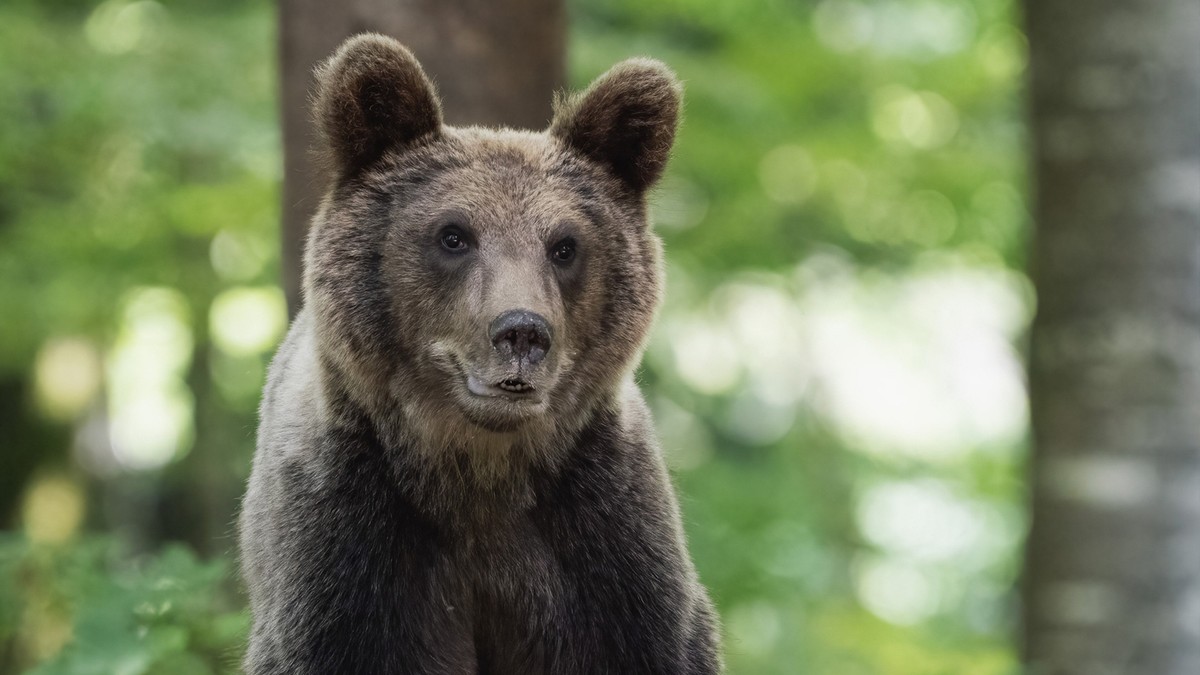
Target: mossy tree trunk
column 1112, row 584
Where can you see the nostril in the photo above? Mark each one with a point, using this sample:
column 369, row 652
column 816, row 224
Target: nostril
column 520, row 334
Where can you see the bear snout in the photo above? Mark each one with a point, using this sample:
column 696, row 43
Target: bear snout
column 520, row 336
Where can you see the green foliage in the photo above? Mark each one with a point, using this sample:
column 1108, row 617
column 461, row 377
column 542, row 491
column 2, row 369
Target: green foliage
column 118, row 165
column 165, row 614
column 914, row 101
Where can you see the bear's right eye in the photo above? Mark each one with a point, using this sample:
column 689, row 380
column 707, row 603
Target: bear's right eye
column 453, row 240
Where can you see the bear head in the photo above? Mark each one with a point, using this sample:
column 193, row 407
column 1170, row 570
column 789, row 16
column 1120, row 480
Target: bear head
column 478, row 290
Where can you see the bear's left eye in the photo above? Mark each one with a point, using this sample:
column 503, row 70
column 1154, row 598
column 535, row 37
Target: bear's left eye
column 453, row 240
column 564, row 251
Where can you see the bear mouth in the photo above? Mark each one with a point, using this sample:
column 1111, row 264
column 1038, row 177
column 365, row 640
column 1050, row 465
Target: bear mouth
column 510, row 387
column 515, row 385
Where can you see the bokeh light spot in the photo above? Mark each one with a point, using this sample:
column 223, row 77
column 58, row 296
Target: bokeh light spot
column 245, row 321
column 117, row 26
column 66, row 377
column 150, row 405
column 843, row 25
column 920, row 520
column 52, row 510
column 237, row 256
column 896, row 592
column 921, row 365
column 929, row 218
column 706, row 357
column 922, row 120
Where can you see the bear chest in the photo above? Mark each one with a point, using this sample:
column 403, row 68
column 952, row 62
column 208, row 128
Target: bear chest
column 514, row 593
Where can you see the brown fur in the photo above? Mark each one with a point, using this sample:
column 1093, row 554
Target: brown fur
column 369, row 402
column 626, row 120
column 373, row 96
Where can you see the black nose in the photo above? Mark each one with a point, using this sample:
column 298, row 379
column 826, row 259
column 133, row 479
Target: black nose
column 519, row 334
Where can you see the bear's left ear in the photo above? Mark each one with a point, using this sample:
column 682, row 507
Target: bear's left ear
column 624, row 121
column 372, row 96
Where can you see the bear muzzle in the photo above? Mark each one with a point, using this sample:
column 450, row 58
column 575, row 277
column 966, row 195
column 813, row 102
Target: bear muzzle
column 521, row 337
column 521, row 340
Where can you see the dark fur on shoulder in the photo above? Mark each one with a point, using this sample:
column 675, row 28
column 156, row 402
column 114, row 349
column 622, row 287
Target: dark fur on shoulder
column 455, row 470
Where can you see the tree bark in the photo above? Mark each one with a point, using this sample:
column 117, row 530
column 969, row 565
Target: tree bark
column 495, row 62
column 1112, row 584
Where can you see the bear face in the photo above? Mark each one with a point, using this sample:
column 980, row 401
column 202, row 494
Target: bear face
column 479, row 290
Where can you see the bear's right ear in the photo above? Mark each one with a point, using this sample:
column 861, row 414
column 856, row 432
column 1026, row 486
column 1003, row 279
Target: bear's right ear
column 372, row 96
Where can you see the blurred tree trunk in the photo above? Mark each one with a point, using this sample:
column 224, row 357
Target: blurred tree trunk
column 1113, row 571
column 495, row 62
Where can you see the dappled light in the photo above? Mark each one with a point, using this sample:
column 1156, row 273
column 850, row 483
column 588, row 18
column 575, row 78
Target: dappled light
column 53, row 509
column 66, row 377
column 150, row 406
column 248, row 321
column 119, row 26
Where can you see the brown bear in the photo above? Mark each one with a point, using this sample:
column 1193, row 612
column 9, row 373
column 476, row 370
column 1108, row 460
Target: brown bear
column 455, row 470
